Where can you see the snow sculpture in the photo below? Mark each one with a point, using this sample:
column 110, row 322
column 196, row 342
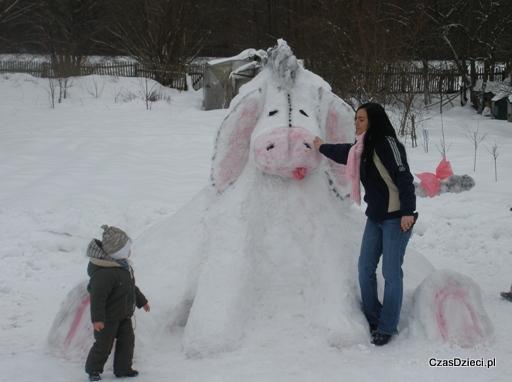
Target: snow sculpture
column 269, row 250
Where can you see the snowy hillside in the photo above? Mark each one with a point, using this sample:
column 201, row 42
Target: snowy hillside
column 101, row 158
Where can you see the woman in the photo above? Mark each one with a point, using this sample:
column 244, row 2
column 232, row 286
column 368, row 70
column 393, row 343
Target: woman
column 378, row 160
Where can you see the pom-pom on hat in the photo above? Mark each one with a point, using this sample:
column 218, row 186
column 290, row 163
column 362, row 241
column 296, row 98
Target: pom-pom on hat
column 113, row 239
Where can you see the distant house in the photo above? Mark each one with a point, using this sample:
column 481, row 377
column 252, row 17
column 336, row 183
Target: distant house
column 495, row 95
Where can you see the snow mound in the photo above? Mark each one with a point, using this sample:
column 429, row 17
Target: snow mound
column 448, row 308
column 71, row 332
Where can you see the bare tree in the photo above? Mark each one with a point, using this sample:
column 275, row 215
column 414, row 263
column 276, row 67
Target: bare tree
column 13, row 10
column 473, row 29
column 163, row 35
column 405, row 99
column 414, row 137
column 476, row 138
column 443, row 149
column 67, row 28
column 351, row 43
column 494, row 153
column 13, row 14
column 148, row 92
column 426, row 139
column 51, row 91
column 94, row 87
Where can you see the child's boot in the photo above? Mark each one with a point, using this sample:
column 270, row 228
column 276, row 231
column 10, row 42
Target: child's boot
column 94, row 377
column 129, row 373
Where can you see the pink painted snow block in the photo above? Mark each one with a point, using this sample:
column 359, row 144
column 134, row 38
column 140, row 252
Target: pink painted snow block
column 444, row 169
column 430, row 182
column 449, row 308
column 71, row 332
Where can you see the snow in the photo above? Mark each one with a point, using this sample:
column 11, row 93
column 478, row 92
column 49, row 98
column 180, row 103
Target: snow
column 245, row 55
column 501, row 95
column 107, row 160
column 500, row 88
column 42, row 58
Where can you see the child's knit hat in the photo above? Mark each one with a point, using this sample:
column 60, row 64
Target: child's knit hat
column 114, row 239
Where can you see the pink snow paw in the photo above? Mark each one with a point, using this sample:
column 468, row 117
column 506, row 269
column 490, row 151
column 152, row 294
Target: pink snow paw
column 448, row 307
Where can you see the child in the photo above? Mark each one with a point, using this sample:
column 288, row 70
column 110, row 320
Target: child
column 114, row 296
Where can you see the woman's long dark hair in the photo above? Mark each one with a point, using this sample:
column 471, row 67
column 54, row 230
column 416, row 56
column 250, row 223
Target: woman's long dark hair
column 379, row 126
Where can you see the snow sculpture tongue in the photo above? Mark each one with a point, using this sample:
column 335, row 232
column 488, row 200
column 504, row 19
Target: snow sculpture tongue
column 300, row 173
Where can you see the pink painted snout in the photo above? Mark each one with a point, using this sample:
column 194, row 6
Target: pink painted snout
column 286, row 152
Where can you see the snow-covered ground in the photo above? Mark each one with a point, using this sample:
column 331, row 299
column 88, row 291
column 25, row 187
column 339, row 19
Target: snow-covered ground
column 101, row 157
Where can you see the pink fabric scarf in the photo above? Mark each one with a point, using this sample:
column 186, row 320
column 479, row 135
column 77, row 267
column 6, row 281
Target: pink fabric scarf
column 353, row 167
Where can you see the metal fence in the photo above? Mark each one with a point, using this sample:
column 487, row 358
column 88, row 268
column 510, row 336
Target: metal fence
column 391, row 80
column 434, row 81
column 173, row 79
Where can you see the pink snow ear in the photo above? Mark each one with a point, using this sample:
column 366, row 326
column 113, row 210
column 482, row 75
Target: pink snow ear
column 233, row 140
column 339, row 128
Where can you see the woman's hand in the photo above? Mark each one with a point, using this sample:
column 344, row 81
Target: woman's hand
column 98, row 326
column 406, row 223
column 146, row 308
column 318, row 142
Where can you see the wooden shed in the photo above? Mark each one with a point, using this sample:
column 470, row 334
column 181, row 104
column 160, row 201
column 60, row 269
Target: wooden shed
column 499, row 105
column 492, row 94
column 509, row 108
column 223, row 77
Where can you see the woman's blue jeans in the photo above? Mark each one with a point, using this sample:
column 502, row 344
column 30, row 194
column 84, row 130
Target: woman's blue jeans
column 386, row 239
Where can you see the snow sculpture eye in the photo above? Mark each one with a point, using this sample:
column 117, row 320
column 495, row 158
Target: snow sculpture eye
column 307, row 145
column 303, row 113
column 271, row 113
column 270, row 147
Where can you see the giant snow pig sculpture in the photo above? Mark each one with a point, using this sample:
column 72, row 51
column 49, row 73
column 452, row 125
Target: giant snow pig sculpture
column 269, row 250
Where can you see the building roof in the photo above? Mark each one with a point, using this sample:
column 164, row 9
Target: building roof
column 246, row 55
column 494, row 86
column 499, row 89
